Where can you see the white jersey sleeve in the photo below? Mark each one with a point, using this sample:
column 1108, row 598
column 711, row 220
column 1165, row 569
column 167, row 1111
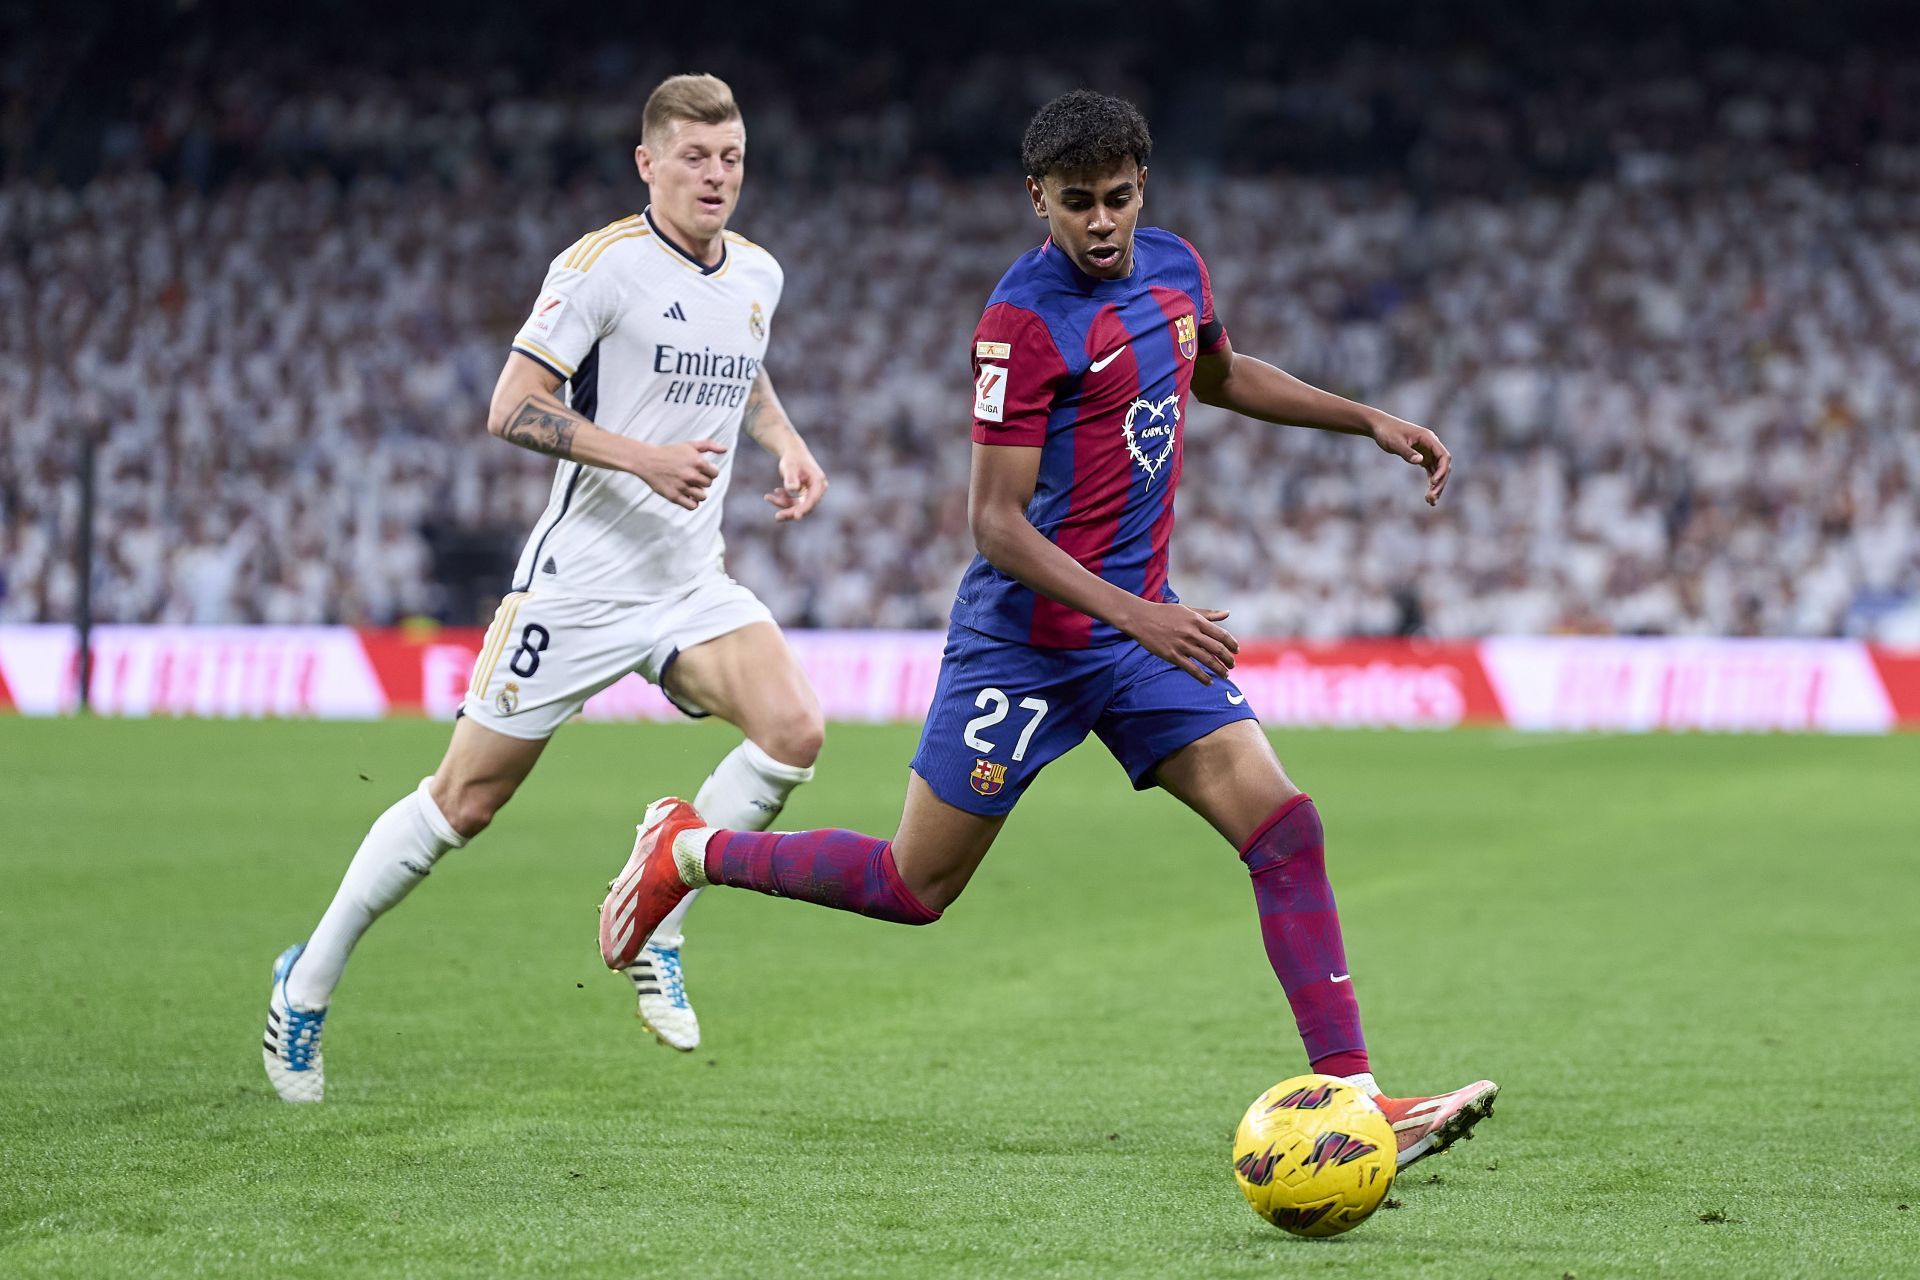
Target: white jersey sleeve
column 577, row 306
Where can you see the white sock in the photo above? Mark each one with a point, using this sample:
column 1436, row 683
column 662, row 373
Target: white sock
column 1364, row 1083
column 745, row 792
column 397, row 854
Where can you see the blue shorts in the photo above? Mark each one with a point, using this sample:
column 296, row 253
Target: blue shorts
column 1003, row 711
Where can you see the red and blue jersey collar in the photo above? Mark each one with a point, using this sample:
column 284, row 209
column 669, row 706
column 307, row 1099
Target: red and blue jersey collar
column 1060, row 263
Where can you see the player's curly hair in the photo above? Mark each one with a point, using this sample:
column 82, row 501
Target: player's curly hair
column 1083, row 130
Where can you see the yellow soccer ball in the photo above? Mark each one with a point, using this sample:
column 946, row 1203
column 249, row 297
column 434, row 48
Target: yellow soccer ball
column 1314, row 1156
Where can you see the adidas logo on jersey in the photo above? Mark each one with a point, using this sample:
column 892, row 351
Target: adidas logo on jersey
column 674, row 312
column 550, row 566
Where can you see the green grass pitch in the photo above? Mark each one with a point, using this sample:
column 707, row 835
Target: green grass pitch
column 1692, row 962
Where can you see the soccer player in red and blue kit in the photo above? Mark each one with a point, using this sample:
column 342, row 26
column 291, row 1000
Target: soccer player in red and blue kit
column 1065, row 621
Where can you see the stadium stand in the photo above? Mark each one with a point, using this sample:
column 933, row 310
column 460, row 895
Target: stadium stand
column 1669, row 325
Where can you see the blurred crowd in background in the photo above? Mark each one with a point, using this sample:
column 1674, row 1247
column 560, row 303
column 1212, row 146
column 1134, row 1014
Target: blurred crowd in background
column 1666, row 314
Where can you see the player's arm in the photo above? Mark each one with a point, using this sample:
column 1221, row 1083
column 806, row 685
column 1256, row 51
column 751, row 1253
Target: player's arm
column 526, row 411
column 997, row 496
column 1258, row 390
column 802, row 482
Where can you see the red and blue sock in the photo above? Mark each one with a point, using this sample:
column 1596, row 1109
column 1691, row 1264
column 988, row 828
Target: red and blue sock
column 1300, row 926
column 840, row 869
column 1286, row 858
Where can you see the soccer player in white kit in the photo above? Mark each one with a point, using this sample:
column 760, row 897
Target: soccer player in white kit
column 658, row 325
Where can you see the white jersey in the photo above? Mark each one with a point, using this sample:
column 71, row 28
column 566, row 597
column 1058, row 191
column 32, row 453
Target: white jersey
column 659, row 347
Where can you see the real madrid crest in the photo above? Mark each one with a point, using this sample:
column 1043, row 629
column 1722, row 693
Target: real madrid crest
column 757, row 322
column 987, row 777
column 1184, row 334
column 508, row 700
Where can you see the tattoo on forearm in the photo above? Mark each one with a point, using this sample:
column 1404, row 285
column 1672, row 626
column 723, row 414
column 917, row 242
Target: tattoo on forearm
column 541, row 429
column 751, row 418
column 763, row 419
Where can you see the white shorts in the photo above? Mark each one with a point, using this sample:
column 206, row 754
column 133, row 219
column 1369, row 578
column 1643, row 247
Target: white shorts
column 545, row 654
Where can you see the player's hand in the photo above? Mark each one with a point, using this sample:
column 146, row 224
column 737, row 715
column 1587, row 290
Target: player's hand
column 802, row 485
column 1417, row 445
column 680, row 473
column 1191, row 639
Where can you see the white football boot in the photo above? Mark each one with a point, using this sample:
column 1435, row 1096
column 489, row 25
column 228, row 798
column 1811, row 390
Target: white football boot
column 661, row 986
column 291, row 1047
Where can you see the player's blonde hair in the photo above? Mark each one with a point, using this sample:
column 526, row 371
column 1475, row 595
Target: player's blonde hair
column 701, row 99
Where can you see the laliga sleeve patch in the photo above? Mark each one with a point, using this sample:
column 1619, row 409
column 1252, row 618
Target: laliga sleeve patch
column 546, row 314
column 990, row 394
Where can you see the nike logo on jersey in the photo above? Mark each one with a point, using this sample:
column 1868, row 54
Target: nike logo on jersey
column 1107, row 359
column 1339, row 977
column 1235, row 699
column 674, row 312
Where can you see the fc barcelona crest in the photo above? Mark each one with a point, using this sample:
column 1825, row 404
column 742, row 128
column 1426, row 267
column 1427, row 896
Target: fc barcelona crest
column 1183, row 333
column 988, row 777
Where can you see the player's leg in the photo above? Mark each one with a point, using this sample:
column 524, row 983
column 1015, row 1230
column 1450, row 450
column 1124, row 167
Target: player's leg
column 542, row 658
column 1233, row 779
column 479, row 773
column 722, row 655
column 1202, row 744
column 750, row 678
column 677, row 852
column 910, row 879
column 1001, row 712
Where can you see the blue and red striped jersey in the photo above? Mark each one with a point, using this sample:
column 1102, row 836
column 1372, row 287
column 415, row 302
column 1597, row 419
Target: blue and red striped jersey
column 1095, row 373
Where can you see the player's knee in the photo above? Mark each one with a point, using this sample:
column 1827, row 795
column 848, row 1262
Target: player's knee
column 937, row 897
column 794, row 737
column 469, row 809
column 935, row 889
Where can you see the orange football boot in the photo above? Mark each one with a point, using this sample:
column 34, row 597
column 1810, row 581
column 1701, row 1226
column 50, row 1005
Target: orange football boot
column 1427, row 1126
column 649, row 886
